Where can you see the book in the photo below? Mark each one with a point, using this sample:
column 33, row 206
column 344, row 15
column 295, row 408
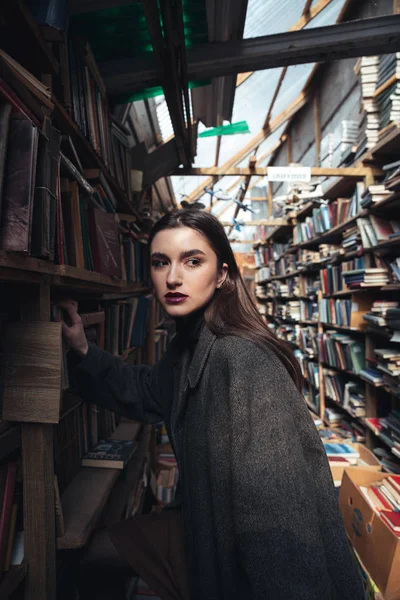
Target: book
column 5, row 112
column 110, row 454
column 392, row 520
column 343, row 450
column 19, row 185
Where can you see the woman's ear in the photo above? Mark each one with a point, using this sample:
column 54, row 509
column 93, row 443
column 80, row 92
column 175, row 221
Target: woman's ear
column 222, row 275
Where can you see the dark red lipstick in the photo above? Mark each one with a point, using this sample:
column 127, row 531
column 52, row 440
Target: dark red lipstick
column 175, row 297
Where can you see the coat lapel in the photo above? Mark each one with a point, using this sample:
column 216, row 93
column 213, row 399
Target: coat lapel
column 187, row 372
column 202, row 350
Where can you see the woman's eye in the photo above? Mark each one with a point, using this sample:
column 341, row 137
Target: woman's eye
column 157, row 264
column 193, row 262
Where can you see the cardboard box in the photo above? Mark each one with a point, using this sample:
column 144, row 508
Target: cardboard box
column 365, row 455
column 377, row 546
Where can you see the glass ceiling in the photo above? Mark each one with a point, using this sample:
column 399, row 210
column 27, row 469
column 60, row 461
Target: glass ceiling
column 252, row 99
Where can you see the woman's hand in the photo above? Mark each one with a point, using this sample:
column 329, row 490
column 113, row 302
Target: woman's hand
column 74, row 333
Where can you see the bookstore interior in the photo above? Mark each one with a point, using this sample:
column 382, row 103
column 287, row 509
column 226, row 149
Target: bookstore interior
column 280, row 118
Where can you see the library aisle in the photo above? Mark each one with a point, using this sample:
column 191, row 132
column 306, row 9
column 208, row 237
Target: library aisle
column 282, row 119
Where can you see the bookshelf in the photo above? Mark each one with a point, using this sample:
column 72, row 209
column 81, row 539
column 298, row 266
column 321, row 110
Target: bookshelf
column 48, row 437
column 315, row 292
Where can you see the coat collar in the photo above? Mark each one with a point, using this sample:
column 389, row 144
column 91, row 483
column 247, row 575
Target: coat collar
column 202, row 350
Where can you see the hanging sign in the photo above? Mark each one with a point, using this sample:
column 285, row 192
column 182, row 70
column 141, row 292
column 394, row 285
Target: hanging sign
column 289, row 174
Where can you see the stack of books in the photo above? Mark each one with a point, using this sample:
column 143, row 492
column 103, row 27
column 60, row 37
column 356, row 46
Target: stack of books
column 374, row 194
column 351, row 239
column 332, row 416
column 376, row 317
column 387, row 94
column 358, row 278
column 392, row 177
column 384, row 498
column 341, row 454
column 368, row 70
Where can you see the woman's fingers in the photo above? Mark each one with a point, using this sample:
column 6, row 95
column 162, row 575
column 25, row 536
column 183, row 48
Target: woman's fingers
column 71, row 308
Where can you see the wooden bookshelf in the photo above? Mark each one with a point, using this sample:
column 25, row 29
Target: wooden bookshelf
column 34, row 283
column 362, row 295
column 85, row 498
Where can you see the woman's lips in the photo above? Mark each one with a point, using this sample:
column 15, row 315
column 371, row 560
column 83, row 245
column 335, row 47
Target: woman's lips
column 175, row 299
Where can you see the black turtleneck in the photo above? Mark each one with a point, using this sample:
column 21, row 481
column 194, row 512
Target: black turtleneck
column 188, row 330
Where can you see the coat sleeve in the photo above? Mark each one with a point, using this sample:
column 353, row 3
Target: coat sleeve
column 104, row 379
column 288, row 528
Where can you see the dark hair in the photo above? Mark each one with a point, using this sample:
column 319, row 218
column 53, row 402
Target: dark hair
column 232, row 310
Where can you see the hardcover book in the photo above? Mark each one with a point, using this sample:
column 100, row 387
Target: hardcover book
column 110, row 454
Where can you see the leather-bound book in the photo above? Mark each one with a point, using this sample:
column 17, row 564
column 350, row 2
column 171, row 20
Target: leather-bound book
column 5, row 111
column 46, row 193
column 19, row 185
column 104, row 242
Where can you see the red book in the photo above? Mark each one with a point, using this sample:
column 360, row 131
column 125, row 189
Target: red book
column 6, row 510
column 375, row 422
column 392, row 520
column 395, row 482
column 379, row 500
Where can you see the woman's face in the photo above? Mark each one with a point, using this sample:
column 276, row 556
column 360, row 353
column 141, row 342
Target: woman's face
column 184, row 270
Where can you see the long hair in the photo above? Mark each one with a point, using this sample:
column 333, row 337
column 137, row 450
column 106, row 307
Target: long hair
column 232, row 310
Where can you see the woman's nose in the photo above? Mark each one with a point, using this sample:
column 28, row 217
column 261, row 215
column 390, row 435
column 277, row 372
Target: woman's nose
column 174, row 276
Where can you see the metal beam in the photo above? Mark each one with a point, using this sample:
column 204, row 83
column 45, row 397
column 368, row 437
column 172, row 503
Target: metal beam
column 354, row 172
column 366, row 37
column 306, row 17
column 169, row 50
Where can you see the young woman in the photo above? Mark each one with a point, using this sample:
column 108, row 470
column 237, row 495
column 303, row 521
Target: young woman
column 260, row 513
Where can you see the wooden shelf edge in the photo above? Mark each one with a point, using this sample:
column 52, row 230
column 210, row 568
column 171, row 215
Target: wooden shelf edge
column 12, row 579
column 84, row 499
column 17, row 267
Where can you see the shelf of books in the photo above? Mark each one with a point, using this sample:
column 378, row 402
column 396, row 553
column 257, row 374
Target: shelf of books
column 329, row 287
column 68, row 228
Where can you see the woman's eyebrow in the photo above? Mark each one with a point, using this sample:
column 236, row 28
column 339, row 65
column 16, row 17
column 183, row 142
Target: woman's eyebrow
column 186, row 254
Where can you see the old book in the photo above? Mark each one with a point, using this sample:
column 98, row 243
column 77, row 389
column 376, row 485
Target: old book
column 46, row 193
column 110, row 454
column 5, row 111
column 104, row 242
column 71, row 239
column 18, row 189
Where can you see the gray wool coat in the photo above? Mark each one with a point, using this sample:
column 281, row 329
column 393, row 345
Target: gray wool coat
column 261, row 516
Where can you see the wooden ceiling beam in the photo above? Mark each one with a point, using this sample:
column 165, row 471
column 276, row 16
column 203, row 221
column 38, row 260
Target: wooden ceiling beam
column 354, row 172
column 296, row 105
column 267, row 222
